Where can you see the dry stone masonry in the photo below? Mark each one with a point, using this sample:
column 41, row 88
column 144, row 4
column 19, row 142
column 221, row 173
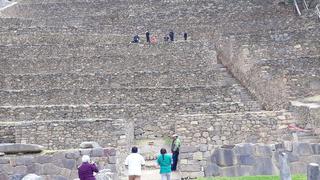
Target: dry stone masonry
column 69, row 74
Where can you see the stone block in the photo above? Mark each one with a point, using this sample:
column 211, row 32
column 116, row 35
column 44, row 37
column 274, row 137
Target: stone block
column 85, row 152
column 59, row 178
column 43, row 159
column 292, row 157
column 190, row 167
column 24, row 160
column 112, row 160
column 50, row 169
column 224, row 157
column 298, row 168
column 110, row 152
column 211, row 170
column 9, row 148
column 315, row 148
column 244, row 149
column 203, row 147
column 197, row 156
column 4, row 161
column 236, row 171
column 89, row 144
column 246, row 160
column 97, row 152
column 188, row 149
column 263, row 150
column 264, row 166
column 302, row 149
column 72, row 155
column 69, row 163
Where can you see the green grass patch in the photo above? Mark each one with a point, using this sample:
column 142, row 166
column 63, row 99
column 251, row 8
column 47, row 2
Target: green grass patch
column 295, row 177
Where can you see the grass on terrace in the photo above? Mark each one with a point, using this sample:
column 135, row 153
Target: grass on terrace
column 295, row 177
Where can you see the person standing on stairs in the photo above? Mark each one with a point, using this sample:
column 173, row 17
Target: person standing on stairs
column 185, row 36
column 171, row 36
column 164, row 160
column 134, row 162
column 175, row 147
column 148, row 36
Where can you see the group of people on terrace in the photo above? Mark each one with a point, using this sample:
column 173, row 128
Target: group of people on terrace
column 153, row 39
column 134, row 163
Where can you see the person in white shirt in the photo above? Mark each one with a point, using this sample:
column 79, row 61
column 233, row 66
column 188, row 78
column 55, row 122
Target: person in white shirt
column 134, row 162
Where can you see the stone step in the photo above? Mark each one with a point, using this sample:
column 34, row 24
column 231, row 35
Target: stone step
column 108, row 63
column 194, row 29
column 297, row 35
column 37, row 38
column 116, row 80
column 159, row 95
column 146, row 111
column 89, row 8
column 39, row 51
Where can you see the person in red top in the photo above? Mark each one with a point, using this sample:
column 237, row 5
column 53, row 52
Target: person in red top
column 86, row 169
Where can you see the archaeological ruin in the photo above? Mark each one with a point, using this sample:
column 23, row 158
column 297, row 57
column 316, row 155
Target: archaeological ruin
column 243, row 87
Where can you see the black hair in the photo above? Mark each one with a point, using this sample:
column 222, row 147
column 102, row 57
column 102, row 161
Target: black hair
column 163, row 151
column 134, row 149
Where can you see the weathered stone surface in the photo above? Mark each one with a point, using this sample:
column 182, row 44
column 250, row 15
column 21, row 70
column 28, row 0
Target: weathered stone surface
column 236, row 171
column 69, row 163
column 224, row 157
column 89, row 144
column 302, row 149
column 212, row 170
column 263, row 150
column 190, row 167
column 97, row 152
column 73, row 155
column 244, row 149
column 265, row 166
column 246, row 160
column 32, row 177
column 20, row 148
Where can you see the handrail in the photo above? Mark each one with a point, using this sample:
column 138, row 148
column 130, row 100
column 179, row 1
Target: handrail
column 318, row 10
column 297, row 7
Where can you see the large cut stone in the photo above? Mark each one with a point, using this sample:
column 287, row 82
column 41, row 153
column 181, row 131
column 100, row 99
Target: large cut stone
column 224, row 157
column 265, row 166
column 89, row 144
column 212, row 170
column 244, row 149
column 32, row 177
column 236, row 171
column 9, row 148
column 246, row 160
column 302, row 149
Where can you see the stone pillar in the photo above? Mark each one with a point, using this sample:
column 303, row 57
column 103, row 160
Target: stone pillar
column 313, row 171
column 285, row 173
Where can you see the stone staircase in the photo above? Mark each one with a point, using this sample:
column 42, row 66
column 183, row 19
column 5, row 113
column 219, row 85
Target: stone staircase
column 56, row 64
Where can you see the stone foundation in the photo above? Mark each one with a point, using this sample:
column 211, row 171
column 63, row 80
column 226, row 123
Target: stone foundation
column 245, row 159
column 60, row 165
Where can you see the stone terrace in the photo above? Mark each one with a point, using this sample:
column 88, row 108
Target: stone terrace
column 68, row 65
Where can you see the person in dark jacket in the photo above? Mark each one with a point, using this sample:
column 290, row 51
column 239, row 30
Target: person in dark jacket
column 86, row 169
column 185, row 36
column 148, row 36
column 171, row 35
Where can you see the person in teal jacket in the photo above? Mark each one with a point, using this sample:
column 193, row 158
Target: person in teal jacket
column 164, row 160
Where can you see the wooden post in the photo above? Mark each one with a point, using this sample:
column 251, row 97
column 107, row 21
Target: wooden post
column 313, row 171
column 285, row 173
